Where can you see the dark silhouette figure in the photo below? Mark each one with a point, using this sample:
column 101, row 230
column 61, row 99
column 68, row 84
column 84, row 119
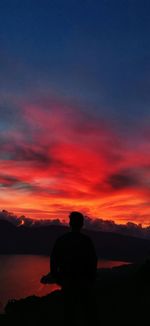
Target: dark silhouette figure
column 73, row 258
column 73, row 265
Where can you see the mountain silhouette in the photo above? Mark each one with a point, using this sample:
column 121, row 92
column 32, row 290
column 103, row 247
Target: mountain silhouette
column 40, row 240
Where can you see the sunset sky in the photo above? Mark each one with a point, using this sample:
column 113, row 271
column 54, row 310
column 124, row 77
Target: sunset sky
column 75, row 108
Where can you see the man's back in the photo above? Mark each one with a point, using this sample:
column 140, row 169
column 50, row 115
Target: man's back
column 74, row 258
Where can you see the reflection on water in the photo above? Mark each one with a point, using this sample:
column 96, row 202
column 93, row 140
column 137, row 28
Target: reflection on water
column 20, row 276
column 110, row 263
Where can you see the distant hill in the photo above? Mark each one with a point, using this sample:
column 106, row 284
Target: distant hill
column 40, row 240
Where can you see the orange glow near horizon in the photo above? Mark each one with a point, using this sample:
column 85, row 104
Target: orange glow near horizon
column 69, row 161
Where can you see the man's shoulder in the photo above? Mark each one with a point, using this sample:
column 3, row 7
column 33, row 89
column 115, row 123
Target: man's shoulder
column 63, row 237
column 69, row 235
column 86, row 237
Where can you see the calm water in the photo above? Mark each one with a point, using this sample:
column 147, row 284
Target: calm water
column 20, row 276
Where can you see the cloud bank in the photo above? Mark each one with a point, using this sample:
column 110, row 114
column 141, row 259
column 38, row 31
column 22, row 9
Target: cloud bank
column 96, row 224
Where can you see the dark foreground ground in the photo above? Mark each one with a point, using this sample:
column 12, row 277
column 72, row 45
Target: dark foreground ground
column 121, row 297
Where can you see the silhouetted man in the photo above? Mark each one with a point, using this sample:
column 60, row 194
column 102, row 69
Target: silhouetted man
column 73, row 265
column 73, row 258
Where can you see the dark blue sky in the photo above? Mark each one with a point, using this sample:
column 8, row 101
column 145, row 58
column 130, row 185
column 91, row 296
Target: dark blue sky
column 94, row 52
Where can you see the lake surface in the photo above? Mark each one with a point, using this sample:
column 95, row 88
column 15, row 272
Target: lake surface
column 20, row 276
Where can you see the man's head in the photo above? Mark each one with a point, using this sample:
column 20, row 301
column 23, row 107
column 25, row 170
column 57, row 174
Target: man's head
column 76, row 220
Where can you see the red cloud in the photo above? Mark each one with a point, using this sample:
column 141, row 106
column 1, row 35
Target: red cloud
column 64, row 159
